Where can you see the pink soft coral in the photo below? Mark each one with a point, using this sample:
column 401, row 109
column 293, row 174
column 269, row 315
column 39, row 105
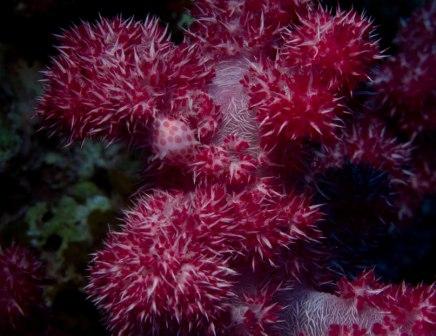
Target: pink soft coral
column 258, row 87
column 406, row 82
column 111, row 79
column 147, row 281
column 339, row 47
column 21, row 280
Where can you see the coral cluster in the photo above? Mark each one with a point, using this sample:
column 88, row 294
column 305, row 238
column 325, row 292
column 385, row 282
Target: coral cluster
column 255, row 163
column 405, row 91
column 405, row 83
column 21, row 280
column 363, row 307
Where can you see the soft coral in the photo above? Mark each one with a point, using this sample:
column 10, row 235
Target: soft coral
column 216, row 112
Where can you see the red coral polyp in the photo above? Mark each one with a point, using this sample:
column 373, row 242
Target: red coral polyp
column 111, row 79
column 198, row 110
column 230, row 163
column 291, row 106
column 205, row 215
column 235, row 28
column 256, row 313
column 365, row 291
column 340, row 48
column 145, row 282
column 405, row 83
column 368, row 142
column 271, row 221
column 102, row 82
column 21, row 280
column 407, row 91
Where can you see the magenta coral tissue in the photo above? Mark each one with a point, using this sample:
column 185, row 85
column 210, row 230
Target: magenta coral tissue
column 236, row 240
column 21, row 285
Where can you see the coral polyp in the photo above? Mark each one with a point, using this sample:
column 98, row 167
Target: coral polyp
column 292, row 106
column 101, row 61
column 117, row 78
column 404, row 83
column 339, row 47
column 234, row 28
column 147, row 283
column 255, row 313
column 21, row 284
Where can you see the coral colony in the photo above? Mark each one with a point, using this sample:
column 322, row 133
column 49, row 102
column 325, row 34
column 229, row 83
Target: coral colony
column 260, row 168
column 21, row 277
